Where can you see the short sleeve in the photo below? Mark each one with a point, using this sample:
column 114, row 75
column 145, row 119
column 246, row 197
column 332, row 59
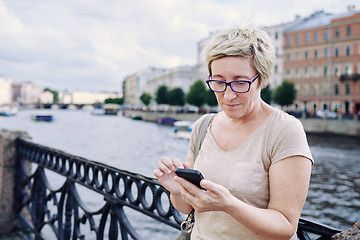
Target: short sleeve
column 290, row 141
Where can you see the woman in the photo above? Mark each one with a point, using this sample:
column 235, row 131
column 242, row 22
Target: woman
column 255, row 158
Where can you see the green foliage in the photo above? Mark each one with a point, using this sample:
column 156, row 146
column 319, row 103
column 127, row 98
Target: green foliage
column 145, row 98
column 119, row 101
column 285, row 94
column 266, row 94
column 162, row 95
column 211, row 98
column 176, row 97
column 197, row 94
column 56, row 94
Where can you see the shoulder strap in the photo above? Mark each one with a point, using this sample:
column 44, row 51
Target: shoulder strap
column 202, row 132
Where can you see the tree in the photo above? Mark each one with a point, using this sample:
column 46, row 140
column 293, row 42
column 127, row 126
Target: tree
column 285, row 93
column 211, row 98
column 197, row 94
column 266, row 94
column 119, row 101
column 55, row 93
column 176, row 97
column 162, row 95
column 145, row 98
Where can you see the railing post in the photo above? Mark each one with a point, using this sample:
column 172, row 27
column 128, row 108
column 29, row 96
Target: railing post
column 7, row 178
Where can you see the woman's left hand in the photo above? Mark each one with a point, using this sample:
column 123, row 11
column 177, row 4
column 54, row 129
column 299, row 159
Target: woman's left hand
column 213, row 199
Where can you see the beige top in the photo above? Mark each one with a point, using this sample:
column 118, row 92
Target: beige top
column 244, row 170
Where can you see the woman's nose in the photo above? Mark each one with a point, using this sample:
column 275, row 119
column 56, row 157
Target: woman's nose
column 229, row 94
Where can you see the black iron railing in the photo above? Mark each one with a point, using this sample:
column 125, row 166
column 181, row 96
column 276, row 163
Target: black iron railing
column 119, row 189
column 64, row 211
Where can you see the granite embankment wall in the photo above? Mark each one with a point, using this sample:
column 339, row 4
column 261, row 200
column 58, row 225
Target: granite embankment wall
column 311, row 125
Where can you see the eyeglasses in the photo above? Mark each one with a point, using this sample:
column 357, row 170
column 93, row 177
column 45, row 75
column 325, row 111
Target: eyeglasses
column 238, row 86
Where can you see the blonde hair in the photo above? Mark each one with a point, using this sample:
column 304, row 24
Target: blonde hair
column 243, row 41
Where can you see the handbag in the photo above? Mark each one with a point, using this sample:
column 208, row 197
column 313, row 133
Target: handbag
column 187, row 225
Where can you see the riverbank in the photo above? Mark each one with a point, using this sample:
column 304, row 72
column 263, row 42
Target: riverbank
column 311, row 125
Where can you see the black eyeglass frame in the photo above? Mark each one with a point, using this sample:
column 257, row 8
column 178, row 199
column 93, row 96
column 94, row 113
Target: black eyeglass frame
column 208, row 81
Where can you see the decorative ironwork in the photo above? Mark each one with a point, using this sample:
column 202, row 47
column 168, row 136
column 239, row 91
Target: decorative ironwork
column 120, row 188
column 64, row 211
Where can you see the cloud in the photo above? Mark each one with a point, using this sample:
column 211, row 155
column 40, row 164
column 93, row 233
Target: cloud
column 93, row 45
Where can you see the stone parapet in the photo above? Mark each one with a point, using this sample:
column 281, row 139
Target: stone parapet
column 8, row 166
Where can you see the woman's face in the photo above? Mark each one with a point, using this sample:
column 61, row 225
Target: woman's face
column 236, row 105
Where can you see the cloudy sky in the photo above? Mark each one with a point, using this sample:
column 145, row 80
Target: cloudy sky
column 91, row 45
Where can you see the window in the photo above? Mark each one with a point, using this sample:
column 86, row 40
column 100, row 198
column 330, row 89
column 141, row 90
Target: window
column 316, row 36
column 337, row 51
column 306, row 37
column 337, row 33
column 326, row 35
column 348, row 31
column 325, row 70
column 336, row 89
column 325, row 87
column 297, row 39
column 315, row 89
column 297, row 73
column 306, row 90
column 315, row 54
column 288, row 56
column 348, row 50
column 288, row 40
column 306, row 55
column 276, row 69
column 347, row 88
column 297, row 56
column 306, row 72
column 337, row 70
column 288, row 72
column 315, row 71
column 325, row 52
column 276, row 35
column 314, row 107
column 348, row 68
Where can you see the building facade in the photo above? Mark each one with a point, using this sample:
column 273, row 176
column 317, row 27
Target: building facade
column 276, row 33
column 134, row 85
column 179, row 77
column 150, row 79
column 5, row 91
column 322, row 58
column 26, row 93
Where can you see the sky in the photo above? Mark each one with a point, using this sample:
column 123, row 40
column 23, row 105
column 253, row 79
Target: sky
column 83, row 45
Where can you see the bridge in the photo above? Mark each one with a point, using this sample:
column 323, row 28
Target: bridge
column 29, row 203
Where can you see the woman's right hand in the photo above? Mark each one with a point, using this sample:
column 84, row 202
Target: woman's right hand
column 165, row 173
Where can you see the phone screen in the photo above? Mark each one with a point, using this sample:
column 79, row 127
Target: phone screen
column 190, row 175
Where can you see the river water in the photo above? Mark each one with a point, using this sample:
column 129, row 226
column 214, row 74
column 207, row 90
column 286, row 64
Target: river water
column 334, row 194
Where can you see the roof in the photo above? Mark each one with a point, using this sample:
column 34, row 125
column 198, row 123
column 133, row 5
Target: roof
column 318, row 19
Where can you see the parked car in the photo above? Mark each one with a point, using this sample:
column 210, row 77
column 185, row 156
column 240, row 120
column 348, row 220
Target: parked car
column 326, row 113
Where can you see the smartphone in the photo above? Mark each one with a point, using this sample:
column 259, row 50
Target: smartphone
column 190, row 175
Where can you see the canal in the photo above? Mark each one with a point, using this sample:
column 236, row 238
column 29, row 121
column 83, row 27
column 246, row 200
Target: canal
column 334, row 194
